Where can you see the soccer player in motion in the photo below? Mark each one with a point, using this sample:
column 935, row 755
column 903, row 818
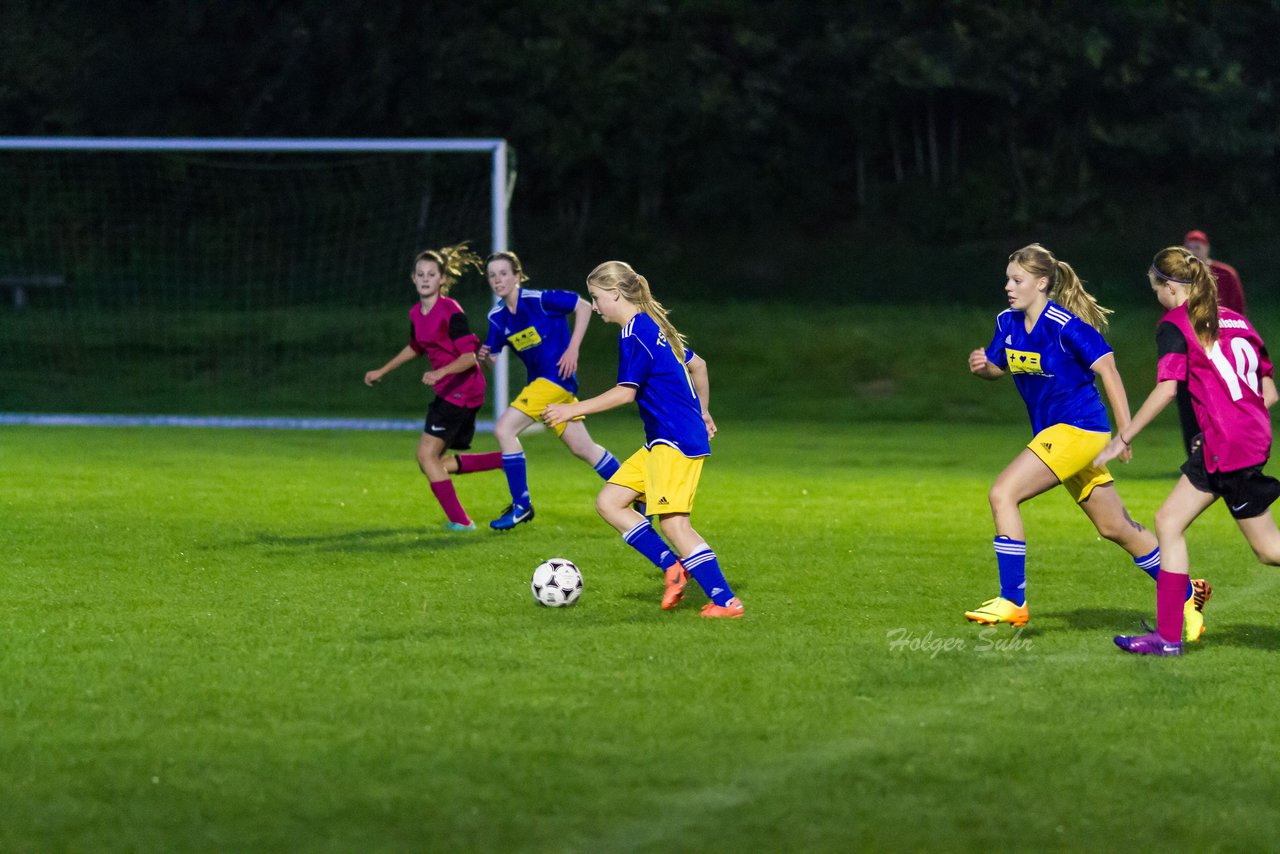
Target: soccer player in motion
column 669, row 383
column 535, row 324
column 438, row 328
column 1225, row 365
column 1050, row 339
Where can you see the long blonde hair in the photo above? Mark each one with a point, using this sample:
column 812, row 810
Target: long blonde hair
column 1065, row 287
column 619, row 276
column 1177, row 264
column 452, row 261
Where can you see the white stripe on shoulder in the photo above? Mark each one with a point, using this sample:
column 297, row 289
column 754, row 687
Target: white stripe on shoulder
column 531, row 294
column 1060, row 316
column 627, row 331
column 493, row 312
column 1003, row 313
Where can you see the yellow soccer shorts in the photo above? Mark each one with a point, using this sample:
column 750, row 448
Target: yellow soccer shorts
column 665, row 478
column 1068, row 452
column 538, row 395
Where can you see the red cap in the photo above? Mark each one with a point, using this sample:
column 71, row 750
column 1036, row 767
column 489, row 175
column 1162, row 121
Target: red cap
column 1196, row 234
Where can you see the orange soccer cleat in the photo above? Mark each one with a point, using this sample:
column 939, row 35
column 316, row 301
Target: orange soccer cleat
column 732, row 608
column 676, row 577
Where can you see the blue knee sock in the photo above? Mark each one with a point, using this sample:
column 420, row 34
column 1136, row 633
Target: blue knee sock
column 705, row 569
column 517, row 478
column 1011, row 560
column 1150, row 564
column 645, row 540
column 607, row 466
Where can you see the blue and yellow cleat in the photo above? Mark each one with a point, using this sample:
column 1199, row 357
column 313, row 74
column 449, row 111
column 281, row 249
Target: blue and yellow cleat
column 454, row 526
column 999, row 610
column 512, row 516
column 1193, row 611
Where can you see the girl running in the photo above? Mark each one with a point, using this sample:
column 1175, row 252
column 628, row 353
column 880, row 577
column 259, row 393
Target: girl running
column 669, row 384
column 438, row 328
column 535, row 324
column 1225, row 365
column 1050, row 340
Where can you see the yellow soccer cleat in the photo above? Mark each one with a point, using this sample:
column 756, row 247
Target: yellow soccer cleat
column 999, row 610
column 1193, row 611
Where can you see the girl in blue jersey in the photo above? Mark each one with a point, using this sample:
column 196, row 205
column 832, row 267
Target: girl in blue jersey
column 669, row 383
column 535, row 324
column 1049, row 339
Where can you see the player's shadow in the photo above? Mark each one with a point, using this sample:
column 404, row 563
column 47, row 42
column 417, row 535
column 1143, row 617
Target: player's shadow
column 1119, row 619
column 364, row 541
column 1244, row 634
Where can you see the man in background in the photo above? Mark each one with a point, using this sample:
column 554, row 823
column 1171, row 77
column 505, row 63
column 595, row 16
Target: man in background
column 1230, row 291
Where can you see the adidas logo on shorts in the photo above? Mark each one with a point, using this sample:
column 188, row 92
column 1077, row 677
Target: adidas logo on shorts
column 1048, row 446
column 663, row 500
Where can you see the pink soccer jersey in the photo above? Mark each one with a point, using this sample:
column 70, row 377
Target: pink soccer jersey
column 1225, row 382
column 443, row 335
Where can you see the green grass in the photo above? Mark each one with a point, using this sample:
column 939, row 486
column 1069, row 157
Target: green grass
column 236, row 640
column 828, row 363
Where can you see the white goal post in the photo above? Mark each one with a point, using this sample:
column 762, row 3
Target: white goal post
column 502, row 179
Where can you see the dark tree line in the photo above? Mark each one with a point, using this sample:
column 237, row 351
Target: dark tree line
column 957, row 117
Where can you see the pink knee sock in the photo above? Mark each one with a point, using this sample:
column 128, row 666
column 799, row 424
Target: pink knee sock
column 448, row 499
column 468, row 463
column 1171, row 595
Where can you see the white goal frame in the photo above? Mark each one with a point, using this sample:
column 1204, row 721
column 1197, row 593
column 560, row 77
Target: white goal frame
column 501, row 185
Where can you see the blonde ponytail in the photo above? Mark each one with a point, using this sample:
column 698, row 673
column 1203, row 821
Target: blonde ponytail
column 453, row 262
column 619, row 276
column 1065, row 287
column 1175, row 264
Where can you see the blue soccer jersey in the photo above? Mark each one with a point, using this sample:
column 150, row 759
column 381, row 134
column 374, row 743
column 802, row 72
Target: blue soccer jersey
column 669, row 405
column 1052, row 366
column 538, row 330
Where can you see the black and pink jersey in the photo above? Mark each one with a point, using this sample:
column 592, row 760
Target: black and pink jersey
column 443, row 334
column 1225, row 382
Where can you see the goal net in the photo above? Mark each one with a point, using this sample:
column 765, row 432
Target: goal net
column 205, row 281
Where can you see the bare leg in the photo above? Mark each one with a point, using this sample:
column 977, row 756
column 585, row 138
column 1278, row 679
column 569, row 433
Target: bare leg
column 507, row 431
column 1173, row 518
column 431, row 458
column 614, row 506
column 1108, row 514
column 1026, row 477
column 1263, row 536
column 679, row 532
column 579, row 442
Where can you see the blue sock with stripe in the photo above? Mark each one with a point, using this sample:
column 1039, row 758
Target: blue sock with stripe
column 513, row 465
column 645, row 540
column 607, row 466
column 1150, row 564
column 705, row 569
column 1011, row 560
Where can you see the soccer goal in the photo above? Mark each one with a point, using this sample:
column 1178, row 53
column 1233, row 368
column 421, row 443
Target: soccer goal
column 231, row 282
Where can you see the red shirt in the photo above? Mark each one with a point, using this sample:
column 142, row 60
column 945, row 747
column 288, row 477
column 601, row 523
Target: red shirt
column 443, row 334
column 1230, row 291
column 1225, row 382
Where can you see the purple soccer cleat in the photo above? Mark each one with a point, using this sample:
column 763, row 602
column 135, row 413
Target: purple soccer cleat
column 1149, row 644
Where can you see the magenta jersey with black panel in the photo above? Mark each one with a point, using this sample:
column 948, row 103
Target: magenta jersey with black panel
column 1225, row 382
column 442, row 335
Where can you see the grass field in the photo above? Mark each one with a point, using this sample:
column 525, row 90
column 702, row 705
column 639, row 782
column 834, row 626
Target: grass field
column 236, row 640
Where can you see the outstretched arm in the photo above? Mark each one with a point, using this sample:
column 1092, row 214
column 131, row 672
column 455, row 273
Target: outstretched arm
column 405, row 355
column 581, row 317
column 1155, row 403
column 702, row 385
column 559, row 413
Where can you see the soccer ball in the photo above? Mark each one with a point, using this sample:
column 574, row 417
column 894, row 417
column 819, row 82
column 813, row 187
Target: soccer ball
column 556, row 583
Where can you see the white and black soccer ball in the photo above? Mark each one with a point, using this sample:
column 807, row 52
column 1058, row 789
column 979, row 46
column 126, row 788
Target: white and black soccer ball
column 556, row 583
